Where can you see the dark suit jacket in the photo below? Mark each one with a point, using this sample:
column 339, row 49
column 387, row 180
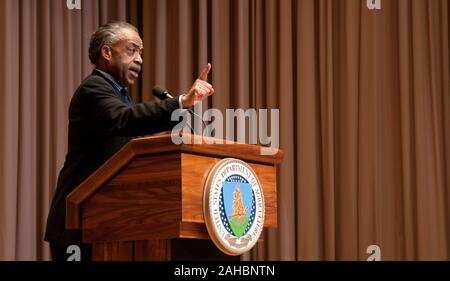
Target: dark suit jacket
column 100, row 123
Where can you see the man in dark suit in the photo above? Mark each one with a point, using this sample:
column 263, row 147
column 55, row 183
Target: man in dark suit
column 102, row 119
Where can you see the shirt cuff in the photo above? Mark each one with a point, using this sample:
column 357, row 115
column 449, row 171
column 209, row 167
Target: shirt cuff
column 180, row 101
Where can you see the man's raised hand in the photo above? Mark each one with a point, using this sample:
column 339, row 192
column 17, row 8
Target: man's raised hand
column 200, row 90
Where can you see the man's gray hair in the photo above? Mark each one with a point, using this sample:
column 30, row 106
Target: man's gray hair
column 108, row 33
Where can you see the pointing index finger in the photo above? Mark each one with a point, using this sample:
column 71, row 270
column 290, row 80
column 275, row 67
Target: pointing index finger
column 205, row 72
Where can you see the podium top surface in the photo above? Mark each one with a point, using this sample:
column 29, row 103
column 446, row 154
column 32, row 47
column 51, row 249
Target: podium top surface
column 163, row 143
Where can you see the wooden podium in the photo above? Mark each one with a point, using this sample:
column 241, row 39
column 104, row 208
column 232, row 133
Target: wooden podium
column 150, row 192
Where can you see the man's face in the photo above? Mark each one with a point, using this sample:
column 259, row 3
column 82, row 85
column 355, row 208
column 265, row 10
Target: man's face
column 124, row 58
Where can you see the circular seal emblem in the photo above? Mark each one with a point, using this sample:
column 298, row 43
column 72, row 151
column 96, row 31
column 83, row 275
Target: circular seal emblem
column 233, row 206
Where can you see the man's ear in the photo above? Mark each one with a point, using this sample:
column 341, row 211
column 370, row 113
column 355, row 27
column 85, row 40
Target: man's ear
column 106, row 52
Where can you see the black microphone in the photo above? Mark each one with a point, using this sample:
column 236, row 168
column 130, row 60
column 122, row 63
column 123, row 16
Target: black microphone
column 163, row 94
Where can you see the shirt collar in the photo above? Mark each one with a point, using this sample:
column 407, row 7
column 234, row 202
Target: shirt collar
column 111, row 80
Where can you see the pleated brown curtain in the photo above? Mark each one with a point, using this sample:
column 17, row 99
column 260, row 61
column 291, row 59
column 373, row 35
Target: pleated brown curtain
column 363, row 97
column 371, row 123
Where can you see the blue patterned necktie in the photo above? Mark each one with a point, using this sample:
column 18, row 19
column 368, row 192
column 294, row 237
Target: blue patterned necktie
column 125, row 94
